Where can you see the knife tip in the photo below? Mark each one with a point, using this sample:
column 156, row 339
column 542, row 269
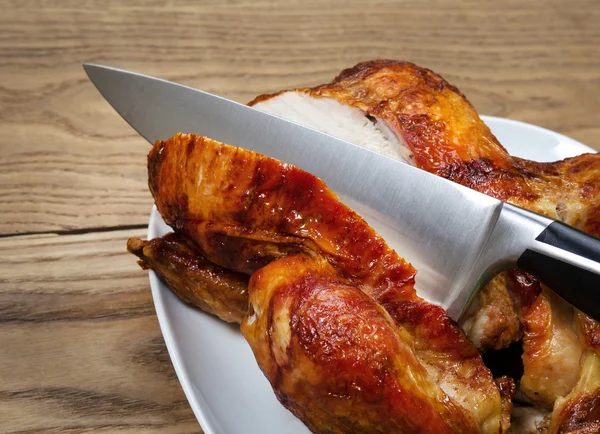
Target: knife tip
column 89, row 68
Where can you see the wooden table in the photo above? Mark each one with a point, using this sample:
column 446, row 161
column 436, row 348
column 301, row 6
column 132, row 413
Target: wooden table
column 80, row 347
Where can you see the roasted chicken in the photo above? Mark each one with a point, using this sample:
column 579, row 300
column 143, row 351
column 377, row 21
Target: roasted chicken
column 243, row 211
column 413, row 114
column 259, row 217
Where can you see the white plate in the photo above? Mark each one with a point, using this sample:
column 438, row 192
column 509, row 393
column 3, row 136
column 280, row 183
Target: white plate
column 226, row 390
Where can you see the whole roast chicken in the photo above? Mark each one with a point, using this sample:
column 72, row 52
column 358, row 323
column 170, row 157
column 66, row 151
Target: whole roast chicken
column 330, row 310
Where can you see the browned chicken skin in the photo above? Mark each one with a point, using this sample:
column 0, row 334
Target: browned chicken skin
column 193, row 278
column 336, row 358
column 436, row 129
column 227, row 200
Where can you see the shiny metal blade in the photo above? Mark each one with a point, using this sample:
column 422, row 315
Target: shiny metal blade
column 439, row 226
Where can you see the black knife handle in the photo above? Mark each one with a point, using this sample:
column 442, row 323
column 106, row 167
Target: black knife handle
column 578, row 286
column 559, row 235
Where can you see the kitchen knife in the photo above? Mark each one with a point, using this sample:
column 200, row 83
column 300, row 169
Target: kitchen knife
column 456, row 237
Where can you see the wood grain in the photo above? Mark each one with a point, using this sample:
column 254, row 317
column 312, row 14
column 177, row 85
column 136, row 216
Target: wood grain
column 68, row 161
column 80, row 347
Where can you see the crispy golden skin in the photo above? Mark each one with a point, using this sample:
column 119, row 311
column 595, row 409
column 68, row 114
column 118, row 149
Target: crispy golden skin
column 245, row 210
column 570, row 188
column 193, row 278
column 336, row 358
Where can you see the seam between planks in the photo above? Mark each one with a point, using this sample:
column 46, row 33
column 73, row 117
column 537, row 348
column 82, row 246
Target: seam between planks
column 80, row 231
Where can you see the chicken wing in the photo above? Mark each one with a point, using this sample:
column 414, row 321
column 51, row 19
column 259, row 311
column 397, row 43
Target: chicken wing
column 192, row 278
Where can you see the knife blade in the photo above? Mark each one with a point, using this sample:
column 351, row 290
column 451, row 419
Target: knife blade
column 456, row 237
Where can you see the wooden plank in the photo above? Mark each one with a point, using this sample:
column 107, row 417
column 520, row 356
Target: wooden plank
column 67, row 161
column 80, row 346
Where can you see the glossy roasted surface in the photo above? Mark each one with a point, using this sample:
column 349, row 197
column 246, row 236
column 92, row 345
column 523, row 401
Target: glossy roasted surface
column 193, row 278
column 336, row 358
column 245, row 210
column 451, row 141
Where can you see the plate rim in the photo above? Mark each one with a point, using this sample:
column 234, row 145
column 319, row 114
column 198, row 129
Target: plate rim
column 164, row 321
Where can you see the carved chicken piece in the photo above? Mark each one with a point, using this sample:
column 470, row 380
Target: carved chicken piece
column 193, row 278
column 492, row 321
column 413, row 114
column 551, row 350
column 337, row 359
column 579, row 411
column 244, row 210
